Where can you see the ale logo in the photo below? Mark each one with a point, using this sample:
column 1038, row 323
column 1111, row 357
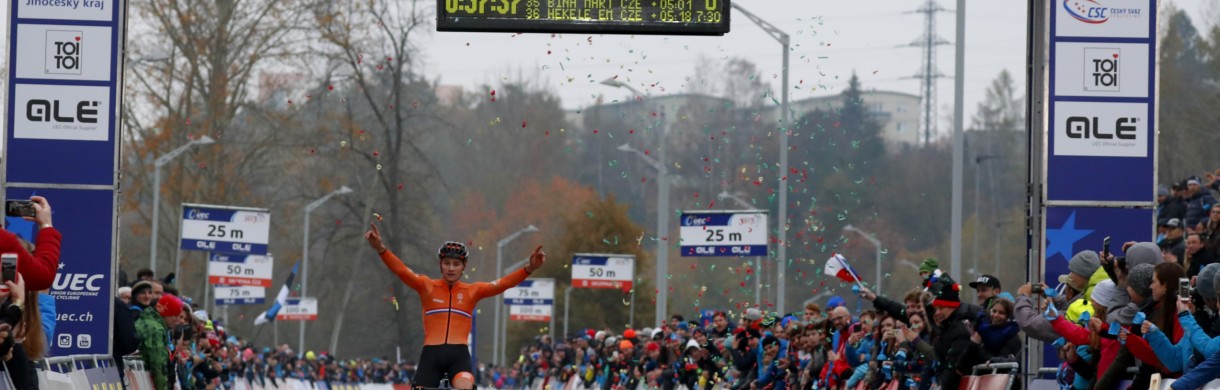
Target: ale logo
column 63, row 52
column 1101, row 69
column 1083, row 127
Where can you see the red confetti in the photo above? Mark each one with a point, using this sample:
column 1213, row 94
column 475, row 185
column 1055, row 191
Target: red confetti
column 523, row 124
column 594, row 131
column 400, row 186
column 375, row 154
column 330, row 87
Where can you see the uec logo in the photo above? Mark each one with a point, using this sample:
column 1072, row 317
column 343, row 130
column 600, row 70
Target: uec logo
column 1088, row 11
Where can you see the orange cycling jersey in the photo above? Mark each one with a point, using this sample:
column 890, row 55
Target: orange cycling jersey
column 447, row 309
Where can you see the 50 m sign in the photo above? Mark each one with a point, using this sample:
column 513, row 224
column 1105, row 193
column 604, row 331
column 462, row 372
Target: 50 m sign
column 225, row 229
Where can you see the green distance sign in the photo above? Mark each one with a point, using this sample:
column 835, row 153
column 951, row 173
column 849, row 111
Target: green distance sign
column 667, row 17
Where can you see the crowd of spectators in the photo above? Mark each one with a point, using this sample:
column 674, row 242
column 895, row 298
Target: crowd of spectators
column 932, row 337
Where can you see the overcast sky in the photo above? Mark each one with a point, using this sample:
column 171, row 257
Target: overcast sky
column 830, row 40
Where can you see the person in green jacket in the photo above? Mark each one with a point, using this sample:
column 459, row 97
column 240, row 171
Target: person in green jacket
column 153, row 322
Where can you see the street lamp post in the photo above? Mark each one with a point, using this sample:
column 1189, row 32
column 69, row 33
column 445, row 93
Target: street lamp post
column 495, row 336
column 781, row 224
column 503, row 325
column 662, row 222
column 758, row 275
column 567, row 305
column 876, row 244
column 305, row 251
column 908, row 263
column 161, row 161
column 978, row 161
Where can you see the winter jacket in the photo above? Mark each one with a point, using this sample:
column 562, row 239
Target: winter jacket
column 1000, row 343
column 1078, row 335
column 1174, row 356
column 46, row 310
column 38, row 268
column 1197, row 377
column 154, row 345
column 1084, row 369
column 1124, row 314
column 896, row 309
column 1032, row 321
column 1081, row 303
column 832, row 373
column 951, row 346
column 1143, row 350
column 1197, row 207
column 1201, row 341
column 1173, row 207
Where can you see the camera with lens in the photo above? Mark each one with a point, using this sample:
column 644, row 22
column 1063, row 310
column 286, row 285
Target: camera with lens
column 184, row 331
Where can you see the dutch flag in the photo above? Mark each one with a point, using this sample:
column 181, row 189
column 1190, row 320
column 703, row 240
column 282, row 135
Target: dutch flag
column 280, row 299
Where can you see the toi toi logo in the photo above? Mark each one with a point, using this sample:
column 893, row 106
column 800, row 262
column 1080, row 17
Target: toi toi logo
column 63, row 52
column 1101, row 69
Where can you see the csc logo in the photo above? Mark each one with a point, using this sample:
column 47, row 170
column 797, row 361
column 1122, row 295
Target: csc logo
column 40, row 110
column 1081, row 127
column 77, row 282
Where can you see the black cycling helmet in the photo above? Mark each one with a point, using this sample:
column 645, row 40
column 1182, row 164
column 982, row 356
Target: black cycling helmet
column 452, row 249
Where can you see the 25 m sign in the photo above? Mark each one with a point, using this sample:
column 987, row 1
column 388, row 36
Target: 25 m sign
column 225, row 229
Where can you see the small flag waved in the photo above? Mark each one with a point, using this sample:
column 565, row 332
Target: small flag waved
column 280, row 300
column 837, row 266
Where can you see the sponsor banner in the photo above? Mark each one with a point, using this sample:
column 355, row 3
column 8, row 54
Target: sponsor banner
column 603, row 271
column 91, row 10
column 530, row 312
column 1101, row 129
column 1104, row 18
column 67, row 52
column 724, row 234
column 240, row 295
column 1070, row 230
column 240, row 270
column 299, row 309
column 61, row 112
column 82, row 287
column 531, row 292
column 1102, row 69
column 225, row 229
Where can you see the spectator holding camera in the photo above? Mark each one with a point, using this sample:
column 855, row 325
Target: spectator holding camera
column 38, row 268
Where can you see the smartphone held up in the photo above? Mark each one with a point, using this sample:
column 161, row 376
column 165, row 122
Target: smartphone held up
column 19, row 208
column 8, row 267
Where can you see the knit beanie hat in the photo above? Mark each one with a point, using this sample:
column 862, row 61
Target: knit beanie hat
column 1143, row 253
column 1140, row 280
column 140, row 286
column 928, row 265
column 1107, row 295
column 1084, row 263
column 1206, row 282
column 753, row 314
column 169, row 305
column 1216, row 282
column 947, row 294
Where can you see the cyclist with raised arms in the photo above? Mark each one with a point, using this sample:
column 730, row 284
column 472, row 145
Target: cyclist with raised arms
column 447, row 306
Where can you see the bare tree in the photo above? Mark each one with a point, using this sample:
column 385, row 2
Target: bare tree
column 191, row 75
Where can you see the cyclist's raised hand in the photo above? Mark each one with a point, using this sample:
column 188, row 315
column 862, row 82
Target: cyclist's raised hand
column 374, row 238
column 536, row 260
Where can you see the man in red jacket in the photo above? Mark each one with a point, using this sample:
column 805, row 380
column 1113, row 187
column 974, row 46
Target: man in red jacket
column 38, row 269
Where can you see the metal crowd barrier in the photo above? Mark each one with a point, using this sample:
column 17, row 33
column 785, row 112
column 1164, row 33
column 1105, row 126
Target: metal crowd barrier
column 78, row 372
